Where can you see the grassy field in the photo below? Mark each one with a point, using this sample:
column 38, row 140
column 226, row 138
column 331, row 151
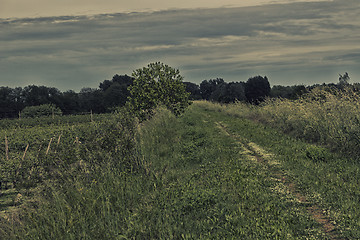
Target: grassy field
column 216, row 172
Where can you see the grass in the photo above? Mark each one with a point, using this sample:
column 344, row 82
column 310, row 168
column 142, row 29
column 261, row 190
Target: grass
column 324, row 116
column 327, row 178
column 7, row 198
column 209, row 174
column 205, row 188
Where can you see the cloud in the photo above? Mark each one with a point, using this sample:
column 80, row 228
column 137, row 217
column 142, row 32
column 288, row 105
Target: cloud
column 288, row 42
column 41, row 8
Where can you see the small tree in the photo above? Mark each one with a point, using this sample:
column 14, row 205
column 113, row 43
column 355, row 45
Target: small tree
column 40, row 111
column 154, row 85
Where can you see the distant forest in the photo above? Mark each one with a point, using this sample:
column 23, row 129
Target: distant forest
column 114, row 93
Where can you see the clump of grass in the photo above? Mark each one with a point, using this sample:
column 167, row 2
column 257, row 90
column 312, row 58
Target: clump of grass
column 161, row 131
column 325, row 116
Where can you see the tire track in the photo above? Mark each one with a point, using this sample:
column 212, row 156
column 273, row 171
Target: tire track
column 262, row 157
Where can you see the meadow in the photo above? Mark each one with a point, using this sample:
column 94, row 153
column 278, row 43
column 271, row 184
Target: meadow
column 286, row 169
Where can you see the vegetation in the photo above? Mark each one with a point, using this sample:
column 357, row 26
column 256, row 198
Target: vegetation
column 325, row 116
column 115, row 93
column 154, row 85
column 219, row 91
column 212, row 172
column 111, row 93
column 183, row 181
column 40, row 111
column 324, row 178
column 256, row 89
column 284, row 168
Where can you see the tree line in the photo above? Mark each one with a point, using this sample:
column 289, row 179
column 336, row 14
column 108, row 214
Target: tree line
column 116, row 92
column 110, row 94
column 254, row 90
column 257, row 88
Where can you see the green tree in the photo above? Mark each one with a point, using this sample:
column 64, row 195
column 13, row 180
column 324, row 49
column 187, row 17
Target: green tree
column 116, row 91
column 70, row 102
column 38, row 95
column 194, row 90
column 92, row 99
column 257, row 88
column 208, row 87
column 10, row 102
column 154, row 85
column 228, row 92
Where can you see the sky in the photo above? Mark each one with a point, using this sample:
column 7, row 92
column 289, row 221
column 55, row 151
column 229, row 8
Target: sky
column 71, row 44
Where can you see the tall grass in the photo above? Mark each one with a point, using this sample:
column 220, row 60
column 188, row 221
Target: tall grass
column 104, row 184
column 91, row 184
column 325, row 116
column 325, row 178
column 174, row 178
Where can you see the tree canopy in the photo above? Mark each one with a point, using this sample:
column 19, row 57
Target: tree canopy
column 257, row 88
column 157, row 84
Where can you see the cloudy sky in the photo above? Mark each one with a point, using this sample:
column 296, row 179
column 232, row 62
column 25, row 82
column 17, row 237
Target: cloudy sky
column 71, row 44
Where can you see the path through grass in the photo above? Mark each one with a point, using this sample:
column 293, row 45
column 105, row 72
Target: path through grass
column 325, row 183
column 207, row 175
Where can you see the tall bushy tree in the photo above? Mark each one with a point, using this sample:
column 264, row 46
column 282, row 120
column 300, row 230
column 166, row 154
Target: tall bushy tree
column 91, row 99
column 194, row 90
column 228, row 92
column 257, row 88
column 38, row 95
column 157, row 84
column 10, row 102
column 208, row 87
column 115, row 92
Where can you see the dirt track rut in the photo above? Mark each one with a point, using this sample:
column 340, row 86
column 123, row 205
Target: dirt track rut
column 263, row 157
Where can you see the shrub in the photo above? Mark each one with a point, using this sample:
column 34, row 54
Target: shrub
column 41, row 111
column 155, row 85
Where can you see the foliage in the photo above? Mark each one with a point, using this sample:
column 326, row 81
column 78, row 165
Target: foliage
column 194, row 90
column 111, row 93
column 326, row 116
column 157, row 84
column 229, row 93
column 288, row 92
column 115, row 92
column 220, row 91
column 39, row 95
column 174, row 177
column 344, row 79
column 208, row 87
column 10, row 102
column 256, row 89
column 40, row 111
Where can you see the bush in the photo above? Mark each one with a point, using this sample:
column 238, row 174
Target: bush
column 41, row 111
column 155, row 85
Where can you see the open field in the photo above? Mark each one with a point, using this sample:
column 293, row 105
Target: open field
column 215, row 172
